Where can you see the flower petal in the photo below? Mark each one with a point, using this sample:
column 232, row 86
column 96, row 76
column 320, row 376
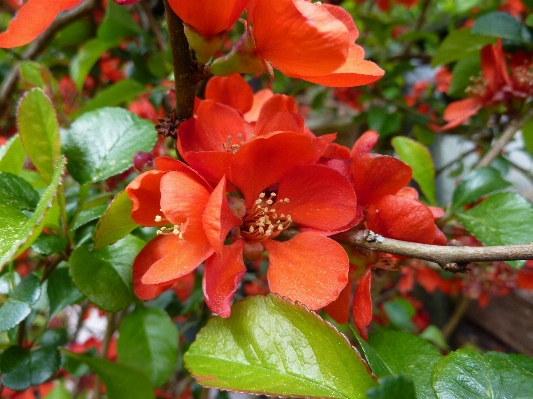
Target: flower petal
column 309, row 268
column 459, row 111
column 339, row 309
column 260, row 99
column 31, row 20
column 320, row 197
column 222, row 275
column 365, row 143
column 217, row 218
column 174, row 257
column 378, row 175
column 183, row 200
column 299, row 37
column 145, row 195
column 362, row 303
column 232, row 91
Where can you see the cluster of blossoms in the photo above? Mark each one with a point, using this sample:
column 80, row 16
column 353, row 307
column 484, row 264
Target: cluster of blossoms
column 254, row 170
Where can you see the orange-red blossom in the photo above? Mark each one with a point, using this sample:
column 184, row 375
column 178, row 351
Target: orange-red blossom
column 280, row 186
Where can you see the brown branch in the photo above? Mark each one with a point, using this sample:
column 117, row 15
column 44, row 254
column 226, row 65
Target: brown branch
column 65, row 18
column 450, row 258
column 514, row 126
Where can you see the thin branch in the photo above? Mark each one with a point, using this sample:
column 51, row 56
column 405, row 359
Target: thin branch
column 514, row 126
column 456, row 317
column 418, row 25
column 154, row 26
column 452, row 162
column 65, row 18
column 451, row 258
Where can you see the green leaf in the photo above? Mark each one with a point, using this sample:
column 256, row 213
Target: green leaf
column 58, row 392
column 501, row 219
column 39, row 131
column 87, row 56
column 476, row 184
column 117, row 94
column 116, row 222
column 118, row 22
column 23, row 367
column 61, row 291
column 467, row 374
column 397, row 387
column 407, row 354
column 383, row 122
column 500, row 24
column 12, row 156
column 148, row 341
column 74, row 34
column 54, row 337
column 463, row 70
column 17, row 192
column 105, row 276
column 48, row 244
column 121, row 381
column 21, row 232
column 459, row 44
column 89, row 215
column 400, row 312
column 101, row 143
column 417, row 156
column 270, row 345
column 18, row 306
column 527, row 135
column 378, row 367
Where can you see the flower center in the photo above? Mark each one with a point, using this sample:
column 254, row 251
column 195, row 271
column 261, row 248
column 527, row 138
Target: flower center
column 175, row 229
column 233, row 148
column 263, row 221
column 478, row 87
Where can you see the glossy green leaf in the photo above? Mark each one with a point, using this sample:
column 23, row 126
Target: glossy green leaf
column 400, row 313
column 383, row 122
column 467, row 374
column 270, row 345
column 417, row 156
column 39, row 131
column 407, row 354
column 378, row 367
column 119, row 93
column 105, row 276
column 501, row 219
column 54, row 337
column 22, row 232
column 87, row 56
column 18, row 306
column 148, row 341
column 61, row 291
column 101, row 143
column 500, row 24
column 476, row 184
column 116, row 222
column 48, row 244
column 118, row 22
column 22, row 367
column 17, row 192
column 463, row 71
column 88, row 215
column 397, row 387
column 458, row 44
column 12, row 156
column 121, row 381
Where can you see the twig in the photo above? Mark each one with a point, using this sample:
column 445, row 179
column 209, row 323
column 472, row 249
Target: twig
column 450, row 258
column 509, row 132
column 456, row 317
column 10, row 82
column 452, row 162
column 159, row 38
column 418, row 25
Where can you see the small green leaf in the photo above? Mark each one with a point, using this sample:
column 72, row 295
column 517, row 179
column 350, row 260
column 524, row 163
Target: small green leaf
column 397, row 387
column 88, row 215
column 87, row 56
column 476, row 184
column 101, row 143
column 39, row 131
column 58, row 392
column 61, row 291
column 119, row 93
column 48, row 244
column 463, row 70
column 21, row 232
column 118, row 22
column 407, row 354
column 400, row 312
column 383, row 122
column 121, row 381
column 54, row 337
column 148, row 341
column 116, row 222
column 12, row 156
column 270, row 345
column 18, row 306
column 467, row 374
column 105, row 276
column 378, row 367
column 17, row 192
column 34, row 74
column 458, row 44
column 500, row 24
column 527, row 134
column 501, row 219
column 417, row 156
column 23, row 367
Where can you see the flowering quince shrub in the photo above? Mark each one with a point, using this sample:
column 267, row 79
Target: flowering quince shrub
column 242, row 195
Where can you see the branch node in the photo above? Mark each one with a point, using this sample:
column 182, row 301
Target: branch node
column 370, row 236
column 455, row 267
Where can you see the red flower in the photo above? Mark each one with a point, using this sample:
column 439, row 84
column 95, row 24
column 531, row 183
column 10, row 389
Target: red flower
column 31, row 20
